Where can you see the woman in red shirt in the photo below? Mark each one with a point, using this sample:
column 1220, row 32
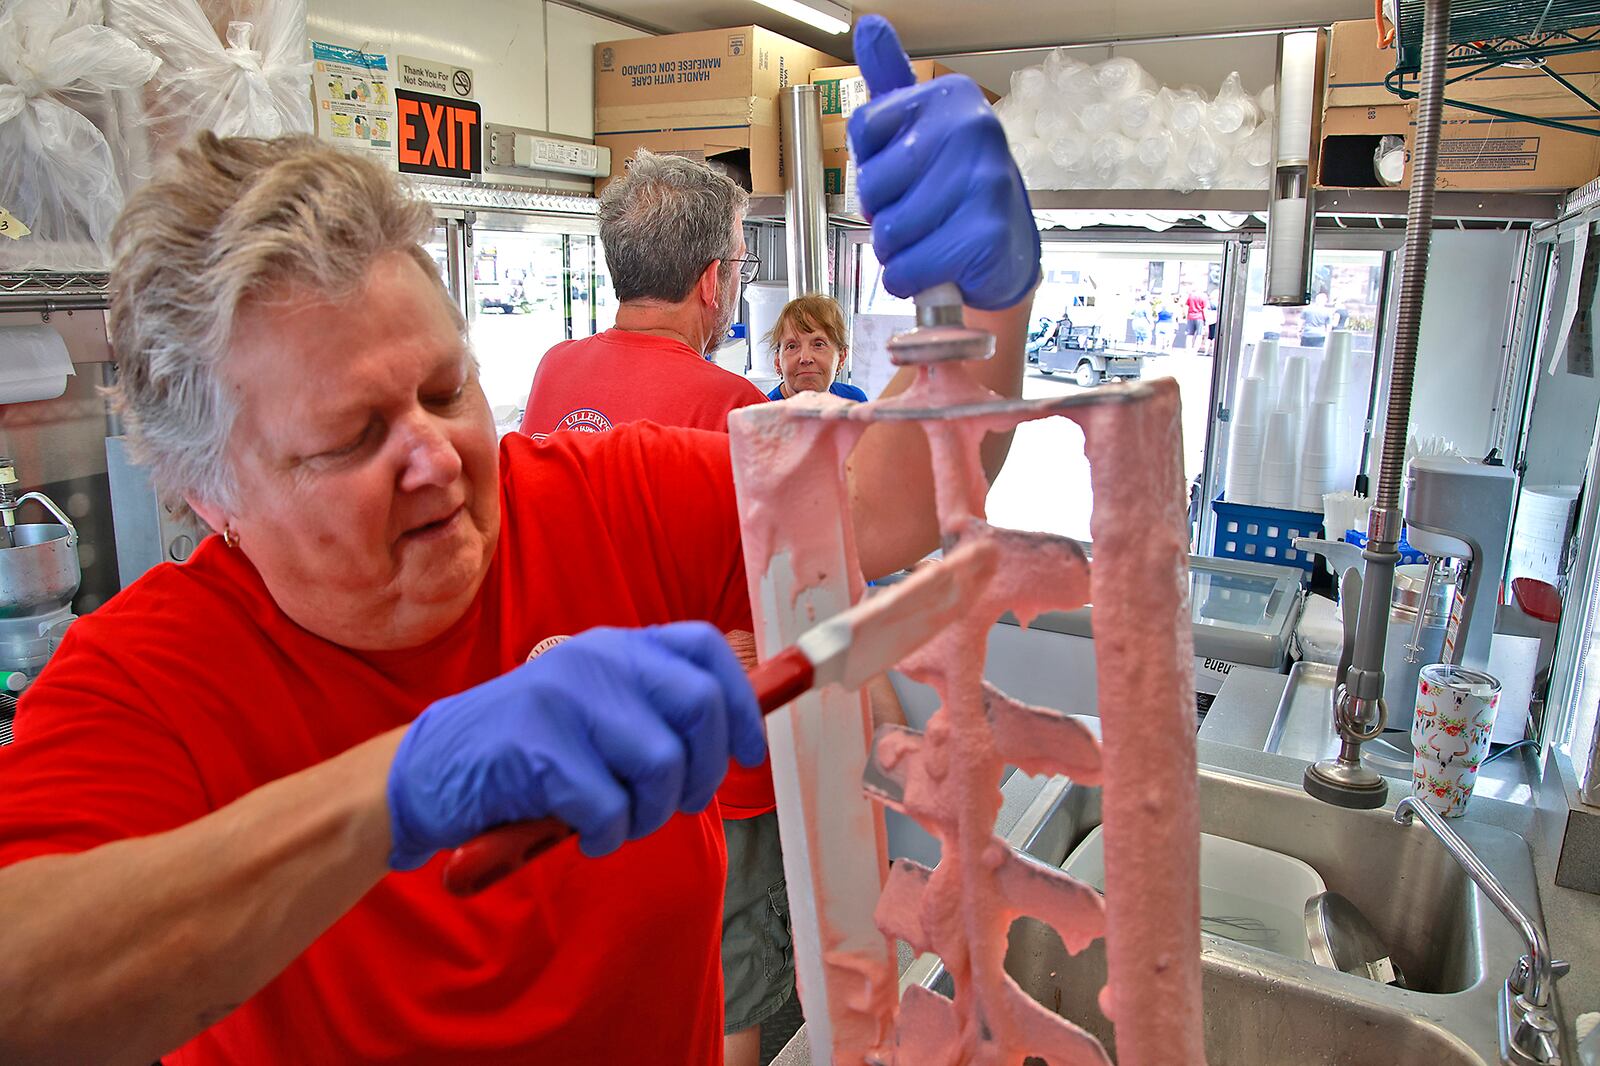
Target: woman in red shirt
column 230, row 788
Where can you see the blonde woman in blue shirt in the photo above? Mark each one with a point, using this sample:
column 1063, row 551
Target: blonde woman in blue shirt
column 809, row 347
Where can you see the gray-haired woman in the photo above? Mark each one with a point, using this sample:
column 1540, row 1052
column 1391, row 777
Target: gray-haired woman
column 222, row 780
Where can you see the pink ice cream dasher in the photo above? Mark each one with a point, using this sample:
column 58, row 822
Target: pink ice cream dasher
column 848, row 904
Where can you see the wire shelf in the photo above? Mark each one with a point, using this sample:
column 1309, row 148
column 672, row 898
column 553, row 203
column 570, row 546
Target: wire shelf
column 53, row 283
column 1530, row 22
column 1488, row 35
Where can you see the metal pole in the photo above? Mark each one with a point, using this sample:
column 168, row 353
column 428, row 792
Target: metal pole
column 1114, row 42
column 805, row 207
column 47, row 305
column 1360, row 712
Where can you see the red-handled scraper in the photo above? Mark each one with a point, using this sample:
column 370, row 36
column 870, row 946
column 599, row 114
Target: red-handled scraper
column 847, row 649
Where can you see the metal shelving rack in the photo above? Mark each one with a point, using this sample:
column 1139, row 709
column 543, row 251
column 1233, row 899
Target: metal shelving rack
column 1488, row 35
column 45, row 292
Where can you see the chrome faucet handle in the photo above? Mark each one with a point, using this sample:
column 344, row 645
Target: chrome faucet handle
column 1524, row 969
column 1529, row 1036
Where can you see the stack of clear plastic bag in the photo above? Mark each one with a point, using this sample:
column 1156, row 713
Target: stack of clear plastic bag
column 1119, row 77
column 1141, row 113
column 252, row 86
column 1187, row 108
column 1112, row 126
column 1030, row 86
column 1234, row 112
column 60, row 175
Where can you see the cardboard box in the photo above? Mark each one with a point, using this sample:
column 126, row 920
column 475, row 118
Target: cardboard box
column 706, row 95
column 1477, row 153
column 843, row 90
column 1357, row 68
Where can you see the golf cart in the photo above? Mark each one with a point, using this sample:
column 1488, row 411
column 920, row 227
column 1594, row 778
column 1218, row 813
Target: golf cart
column 1084, row 353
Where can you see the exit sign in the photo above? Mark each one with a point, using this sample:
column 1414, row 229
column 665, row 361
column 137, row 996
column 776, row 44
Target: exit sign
column 438, row 135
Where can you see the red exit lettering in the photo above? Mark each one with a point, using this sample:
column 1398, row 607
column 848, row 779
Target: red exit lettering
column 438, row 135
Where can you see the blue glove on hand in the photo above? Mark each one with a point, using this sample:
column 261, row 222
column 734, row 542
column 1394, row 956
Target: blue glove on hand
column 613, row 731
column 936, row 178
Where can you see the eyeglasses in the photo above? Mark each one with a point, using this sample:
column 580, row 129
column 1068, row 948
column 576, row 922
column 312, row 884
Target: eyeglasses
column 749, row 266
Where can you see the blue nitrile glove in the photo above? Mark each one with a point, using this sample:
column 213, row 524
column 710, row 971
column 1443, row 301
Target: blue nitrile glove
column 936, row 177
column 613, row 731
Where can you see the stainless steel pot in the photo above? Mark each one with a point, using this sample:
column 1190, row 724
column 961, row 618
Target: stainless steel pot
column 40, row 574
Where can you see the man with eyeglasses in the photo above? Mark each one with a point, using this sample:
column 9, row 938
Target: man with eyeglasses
column 673, row 232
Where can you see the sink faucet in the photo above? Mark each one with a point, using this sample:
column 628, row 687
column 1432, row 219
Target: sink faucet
column 1530, row 1034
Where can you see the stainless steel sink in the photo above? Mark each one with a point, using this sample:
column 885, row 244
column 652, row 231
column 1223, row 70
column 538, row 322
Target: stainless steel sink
column 1253, row 1014
column 1264, row 1009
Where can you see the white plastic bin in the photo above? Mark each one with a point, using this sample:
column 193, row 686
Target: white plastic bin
column 1237, row 881
column 765, row 300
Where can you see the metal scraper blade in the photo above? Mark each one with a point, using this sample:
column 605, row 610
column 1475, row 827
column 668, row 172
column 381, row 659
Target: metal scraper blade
column 885, row 784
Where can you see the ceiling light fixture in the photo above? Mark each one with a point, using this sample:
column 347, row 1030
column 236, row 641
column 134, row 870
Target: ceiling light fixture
column 823, row 14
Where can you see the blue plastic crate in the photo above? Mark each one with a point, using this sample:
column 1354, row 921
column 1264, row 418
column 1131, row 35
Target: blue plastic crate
column 1408, row 554
column 1264, row 534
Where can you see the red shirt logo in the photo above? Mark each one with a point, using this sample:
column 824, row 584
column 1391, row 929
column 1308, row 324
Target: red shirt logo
column 585, row 420
column 545, row 645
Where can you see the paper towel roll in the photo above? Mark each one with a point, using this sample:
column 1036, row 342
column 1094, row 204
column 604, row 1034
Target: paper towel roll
column 34, row 364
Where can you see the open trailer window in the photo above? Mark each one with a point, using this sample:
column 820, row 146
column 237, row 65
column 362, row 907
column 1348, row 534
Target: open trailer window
column 535, row 282
column 1103, row 312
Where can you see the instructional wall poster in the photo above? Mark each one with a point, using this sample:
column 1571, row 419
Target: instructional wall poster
column 354, row 92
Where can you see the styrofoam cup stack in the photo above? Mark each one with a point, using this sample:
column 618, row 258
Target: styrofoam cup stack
column 1335, row 372
column 1287, row 240
column 1280, row 461
column 1248, row 425
column 1264, row 365
column 1295, row 392
column 1252, row 405
column 1333, row 386
column 1319, row 458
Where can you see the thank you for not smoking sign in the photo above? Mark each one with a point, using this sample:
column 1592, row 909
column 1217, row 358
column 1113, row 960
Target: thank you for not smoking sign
column 431, row 76
column 438, row 135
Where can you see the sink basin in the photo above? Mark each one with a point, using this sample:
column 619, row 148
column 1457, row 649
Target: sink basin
column 1261, row 1008
column 1253, row 1015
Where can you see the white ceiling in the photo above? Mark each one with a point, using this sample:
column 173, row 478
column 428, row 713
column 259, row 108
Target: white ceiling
column 932, row 27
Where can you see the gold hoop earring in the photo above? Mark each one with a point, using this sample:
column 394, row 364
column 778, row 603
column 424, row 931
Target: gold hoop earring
column 229, row 537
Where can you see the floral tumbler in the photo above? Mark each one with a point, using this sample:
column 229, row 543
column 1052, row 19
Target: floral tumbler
column 1450, row 734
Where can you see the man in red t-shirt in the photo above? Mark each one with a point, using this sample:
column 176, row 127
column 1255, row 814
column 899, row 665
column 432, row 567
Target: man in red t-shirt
column 1195, row 319
column 231, row 789
column 673, row 232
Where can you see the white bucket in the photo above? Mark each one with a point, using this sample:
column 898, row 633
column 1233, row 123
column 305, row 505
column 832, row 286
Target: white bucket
column 765, row 299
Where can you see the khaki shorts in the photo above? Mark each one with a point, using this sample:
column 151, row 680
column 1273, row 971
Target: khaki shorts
column 757, row 952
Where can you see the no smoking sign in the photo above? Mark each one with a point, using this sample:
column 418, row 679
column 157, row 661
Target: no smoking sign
column 435, row 77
